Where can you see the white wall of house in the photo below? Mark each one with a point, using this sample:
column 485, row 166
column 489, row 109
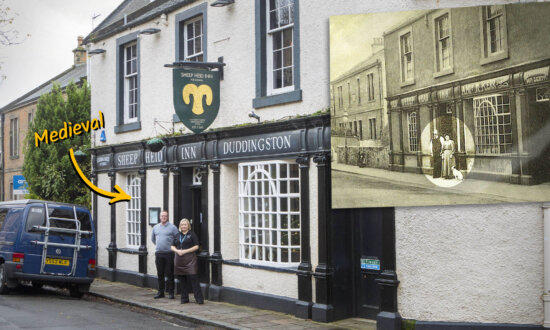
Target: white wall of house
column 257, row 280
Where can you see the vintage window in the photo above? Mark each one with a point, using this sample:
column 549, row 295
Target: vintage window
column 370, row 86
column 493, row 128
column 269, row 213
column 340, row 97
column 349, row 95
column 277, row 53
column 407, row 58
column 14, row 137
column 133, row 211
column 358, row 91
column 372, row 128
column 543, row 94
column 355, row 128
column 360, row 130
column 494, row 37
column 128, row 94
column 443, row 45
column 413, row 141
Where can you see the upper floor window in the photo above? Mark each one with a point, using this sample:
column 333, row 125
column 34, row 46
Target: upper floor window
column 358, row 91
column 443, row 45
column 191, row 34
column 413, row 139
column 277, row 53
column 193, row 40
column 128, row 91
column 494, row 39
column 407, row 58
column 340, row 97
column 14, row 137
column 370, row 86
column 349, row 94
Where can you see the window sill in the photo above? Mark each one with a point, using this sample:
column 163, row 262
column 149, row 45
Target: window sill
column 267, row 101
column 288, row 270
column 132, row 251
column 128, row 127
column 443, row 73
column 493, row 58
column 407, row 83
column 14, row 157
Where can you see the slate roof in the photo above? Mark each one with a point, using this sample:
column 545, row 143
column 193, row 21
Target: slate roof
column 74, row 74
column 360, row 66
column 137, row 12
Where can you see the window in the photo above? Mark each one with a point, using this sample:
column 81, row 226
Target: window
column 413, row 142
column 14, row 137
column 133, row 212
column 494, row 37
column 360, row 130
column 355, row 128
column 349, row 95
column 493, row 128
column 277, row 53
column 372, row 128
column 11, row 190
column 191, row 34
column 358, row 91
column 406, row 62
column 269, row 213
column 340, row 97
column 30, row 118
column 443, row 45
column 128, row 95
column 370, row 86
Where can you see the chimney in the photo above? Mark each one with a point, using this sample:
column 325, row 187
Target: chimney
column 377, row 45
column 79, row 52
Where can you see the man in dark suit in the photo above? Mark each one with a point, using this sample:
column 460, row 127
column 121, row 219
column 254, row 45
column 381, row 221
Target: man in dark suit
column 436, row 145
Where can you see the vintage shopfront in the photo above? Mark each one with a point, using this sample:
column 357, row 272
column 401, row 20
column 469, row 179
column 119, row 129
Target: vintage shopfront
column 499, row 122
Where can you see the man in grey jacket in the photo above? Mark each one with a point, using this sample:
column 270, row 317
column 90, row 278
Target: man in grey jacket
column 163, row 235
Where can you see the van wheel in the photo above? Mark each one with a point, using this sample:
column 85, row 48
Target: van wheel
column 3, row 280
column 75, row 292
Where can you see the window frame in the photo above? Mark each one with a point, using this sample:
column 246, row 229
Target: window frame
column 14, row 138
column 133, row 211
column 493, row 123
column 265, row 97
column 123, row 125
column 199, row 11
column 404, row 79
column 412, row 130
column 372, row 128
column 358, row 90
column 486, row 56
column 438, row 56
column 274, row 184
column 370, row 86
column 128, row 78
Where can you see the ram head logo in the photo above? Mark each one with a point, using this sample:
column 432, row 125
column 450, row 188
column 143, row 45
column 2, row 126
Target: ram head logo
column 198, row 93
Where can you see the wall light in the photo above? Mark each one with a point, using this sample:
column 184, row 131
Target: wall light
column 96, row 51
column 252, row 114
column 149, row 31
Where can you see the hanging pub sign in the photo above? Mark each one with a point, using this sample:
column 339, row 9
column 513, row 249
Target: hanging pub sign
column 196, row 97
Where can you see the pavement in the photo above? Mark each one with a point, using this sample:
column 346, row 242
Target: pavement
column 215, row 314
column 486, row 191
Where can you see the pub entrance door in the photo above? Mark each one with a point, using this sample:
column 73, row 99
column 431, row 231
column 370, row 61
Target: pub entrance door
column 190, row 199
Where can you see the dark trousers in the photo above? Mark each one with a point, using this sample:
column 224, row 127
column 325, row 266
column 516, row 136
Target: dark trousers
column 185, row 280
column 165, row 268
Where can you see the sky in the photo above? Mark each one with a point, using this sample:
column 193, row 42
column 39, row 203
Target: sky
column 53, row 27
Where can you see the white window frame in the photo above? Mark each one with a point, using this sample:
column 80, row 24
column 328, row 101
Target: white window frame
column 494, row 129
column 133, row 211
column 486, row 55
column 406, row 79
column 130, row 117
column 14, row 137
column 270, row 32
column 412, row 118
column 193, row 56
column 269, row 207
column 439, row 70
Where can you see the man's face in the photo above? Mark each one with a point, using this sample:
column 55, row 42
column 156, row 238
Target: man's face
column 163, row 217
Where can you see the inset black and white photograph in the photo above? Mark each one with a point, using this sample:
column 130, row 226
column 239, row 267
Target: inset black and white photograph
column 441, row 107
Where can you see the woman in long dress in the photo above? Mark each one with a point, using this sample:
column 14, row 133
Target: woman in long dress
column 447, row 159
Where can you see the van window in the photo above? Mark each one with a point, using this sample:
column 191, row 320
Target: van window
column 13, row 219
column 37, row 217
column 3, row 213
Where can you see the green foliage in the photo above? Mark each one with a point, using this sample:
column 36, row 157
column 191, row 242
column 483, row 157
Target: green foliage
column 408, row 324
column 47, row 168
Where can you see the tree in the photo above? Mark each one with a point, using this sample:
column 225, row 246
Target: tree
column 47, row 168
column 8, row 35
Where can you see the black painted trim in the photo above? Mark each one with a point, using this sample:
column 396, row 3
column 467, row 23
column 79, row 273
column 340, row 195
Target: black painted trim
column 258, row 300
column 131, row 251
column 180, row 21
column 112, row 245
column 204, row 255
column 427, row 325
column 305, row 293
column 165, row 187
column 236, row 262
column 94, row 209
column 143, row 223
column 216, row 258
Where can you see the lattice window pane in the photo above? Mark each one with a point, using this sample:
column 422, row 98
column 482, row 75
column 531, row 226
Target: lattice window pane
column 493, row 128
column 133, row 212
column 413, row 139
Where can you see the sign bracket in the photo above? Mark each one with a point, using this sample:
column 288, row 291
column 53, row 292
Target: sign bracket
column 200, row 65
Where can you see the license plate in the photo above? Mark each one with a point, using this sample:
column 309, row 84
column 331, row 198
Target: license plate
column 58, row 262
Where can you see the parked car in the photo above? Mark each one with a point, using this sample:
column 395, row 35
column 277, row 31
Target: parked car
column 46, row 243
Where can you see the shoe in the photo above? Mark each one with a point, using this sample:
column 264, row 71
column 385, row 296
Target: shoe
column 159, row 295
column 185, row 301
column 171, row 296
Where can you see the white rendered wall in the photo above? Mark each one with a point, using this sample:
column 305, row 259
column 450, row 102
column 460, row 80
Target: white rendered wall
column 470, row 263
column 262, row 281
column 229, row 211
column 103, row 221
column 154, row 199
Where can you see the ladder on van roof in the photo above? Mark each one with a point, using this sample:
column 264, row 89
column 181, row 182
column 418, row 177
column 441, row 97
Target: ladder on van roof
column 46, row 243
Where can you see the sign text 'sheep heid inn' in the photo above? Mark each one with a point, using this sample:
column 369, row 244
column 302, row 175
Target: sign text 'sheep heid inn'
column 196, row 97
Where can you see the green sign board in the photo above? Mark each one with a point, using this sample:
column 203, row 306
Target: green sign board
column 196, row 97
column 372, row 264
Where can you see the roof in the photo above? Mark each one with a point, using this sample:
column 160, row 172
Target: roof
column 136, row 12
column 361, row 66
column 74, row 74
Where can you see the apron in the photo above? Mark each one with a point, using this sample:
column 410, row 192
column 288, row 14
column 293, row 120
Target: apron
column 186, row 264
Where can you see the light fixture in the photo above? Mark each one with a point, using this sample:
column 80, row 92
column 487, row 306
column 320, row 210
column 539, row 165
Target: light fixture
column 252, row 114
column 80, row 156
column 149, row 31
column 222, row 3
column 96, row 51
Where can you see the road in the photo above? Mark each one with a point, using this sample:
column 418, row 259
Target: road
column 48, row 308
column 351, row 190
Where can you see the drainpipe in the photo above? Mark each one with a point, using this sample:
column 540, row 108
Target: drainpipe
column 546, row 294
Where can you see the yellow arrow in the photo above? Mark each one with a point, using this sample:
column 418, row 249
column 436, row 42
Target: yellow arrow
column 118, row 196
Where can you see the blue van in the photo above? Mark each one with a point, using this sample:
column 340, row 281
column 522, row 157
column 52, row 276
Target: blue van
column 46, row 243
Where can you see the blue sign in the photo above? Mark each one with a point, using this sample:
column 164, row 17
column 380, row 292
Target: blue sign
column 372, row 264
column 20, row 185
